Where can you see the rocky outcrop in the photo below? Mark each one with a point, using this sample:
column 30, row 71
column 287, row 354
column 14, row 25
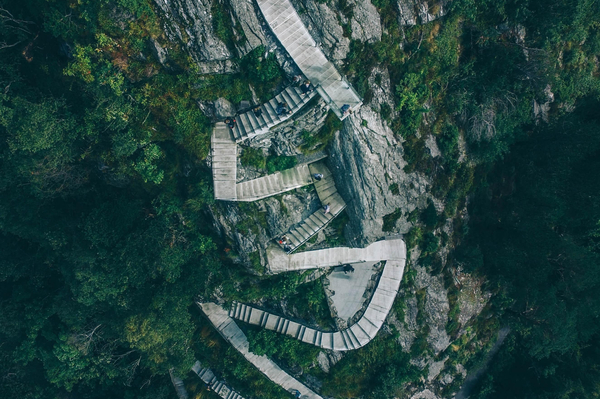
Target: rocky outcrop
column 245, row 14
column 190, row 22
column 323, row 23
column 436, row 308
column 366, row 159
column 366, row 21
column 413, row 12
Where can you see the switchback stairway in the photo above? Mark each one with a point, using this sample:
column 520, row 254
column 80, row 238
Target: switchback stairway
column 213, row 383
column 353, row 337
column 225, row 325
column 249, row 125
column 316, row 222
column 298, row 42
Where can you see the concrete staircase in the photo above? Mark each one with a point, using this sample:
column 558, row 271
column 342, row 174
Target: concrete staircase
column 215, row 385
column 295, row 38
column 279, row 261
column 317, row 221
column 226, row 326
column 274, row 184
column 354, row 337
column 249, row 125
column 224, row 163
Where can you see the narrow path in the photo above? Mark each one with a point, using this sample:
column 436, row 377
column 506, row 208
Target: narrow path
column 316, row 222
column 279, row 261
column 224, row 163
column 355, row 336
column 273, row 184
column 213, row 383
column 295, row 38
column 472, row 378
column 250, row 124
column 232, row 333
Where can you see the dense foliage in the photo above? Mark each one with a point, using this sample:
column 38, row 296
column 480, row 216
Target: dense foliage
column 535, row 234
column 105, row 239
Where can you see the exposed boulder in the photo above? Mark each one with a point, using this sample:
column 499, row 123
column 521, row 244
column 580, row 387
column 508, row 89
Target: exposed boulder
column 366, row 159
column 324, row 25
column 190, row 23
column 159, row 52
column 223, row 108
column 365, row 22
column 413, row 12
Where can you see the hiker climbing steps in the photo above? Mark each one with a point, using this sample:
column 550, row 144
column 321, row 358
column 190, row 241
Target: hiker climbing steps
column 297, row 41
column 260, row 119
column 213, row 383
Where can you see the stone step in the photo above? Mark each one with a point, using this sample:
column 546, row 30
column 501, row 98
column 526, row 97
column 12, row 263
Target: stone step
column 293, row 104
column 271, row 108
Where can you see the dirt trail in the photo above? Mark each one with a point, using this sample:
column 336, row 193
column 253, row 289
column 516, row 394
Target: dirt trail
column 475, row 375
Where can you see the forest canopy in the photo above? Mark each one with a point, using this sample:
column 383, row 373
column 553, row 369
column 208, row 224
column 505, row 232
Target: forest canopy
column 106, row 235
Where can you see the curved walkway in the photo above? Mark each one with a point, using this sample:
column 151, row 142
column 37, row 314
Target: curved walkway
column 213, row 383
column 232, row 333
column 355, row 336
column 295, row 38
column 279, row 261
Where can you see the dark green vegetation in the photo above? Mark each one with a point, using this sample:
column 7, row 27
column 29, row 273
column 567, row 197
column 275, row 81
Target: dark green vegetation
column 271, row 164
column 103, row 231
column 377, row 371
column 535, row 234
column 105, row 240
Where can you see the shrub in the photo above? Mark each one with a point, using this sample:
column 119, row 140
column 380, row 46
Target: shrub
column 281, row 162
column 429, row 215
column 253, row 157
column 389, row 221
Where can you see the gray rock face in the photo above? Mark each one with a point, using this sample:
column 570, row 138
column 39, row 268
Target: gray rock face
column 379, row 83
column 425, row 394
column 366, row 21
column 245, row 13
column 190, row 22
column 285, row 139
column 223, row 108
column 436, row 308
column 412, row 12
column 323, row 24
column 366, row 159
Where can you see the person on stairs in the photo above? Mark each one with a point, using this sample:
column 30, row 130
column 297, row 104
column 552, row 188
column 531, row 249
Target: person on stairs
column 345, row 109
column 318, row 176
column 326, row 209
column 230, row 122
column 282, row 108
column 257, row 111
column 305, row 87
column 283, row 240
column 296, row 80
